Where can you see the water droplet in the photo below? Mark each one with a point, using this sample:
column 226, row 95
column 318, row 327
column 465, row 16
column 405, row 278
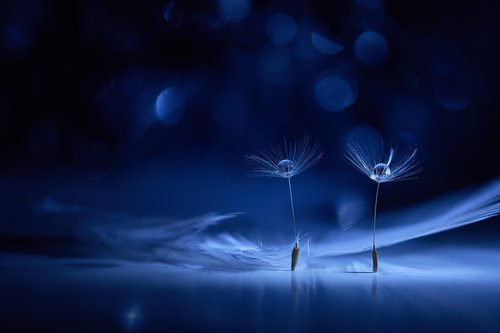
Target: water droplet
column 286, row 167
column 381, row 171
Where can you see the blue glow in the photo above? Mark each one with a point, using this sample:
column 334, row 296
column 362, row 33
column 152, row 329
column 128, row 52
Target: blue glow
column 334, row 93
column 18, row 40
column 281, row 28
column 18, row 34
column 233, row 10
column 454, row 288
column 274, row 59
column 371, row 48
column 186, row 242
column 325, row 45
column 128, row 202
column 170, row 106
column 22, row 22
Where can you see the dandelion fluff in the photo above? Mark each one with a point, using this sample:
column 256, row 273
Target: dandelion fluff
column 286, row 162
column 294, row 158
column 189, row 243
column 381, row 168
column 370, row 159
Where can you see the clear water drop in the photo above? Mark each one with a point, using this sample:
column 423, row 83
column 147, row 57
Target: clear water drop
column 380, row 171
column 286, row 167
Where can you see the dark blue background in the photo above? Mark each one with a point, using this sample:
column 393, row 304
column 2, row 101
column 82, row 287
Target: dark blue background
column 116, row 112
column 80, row 82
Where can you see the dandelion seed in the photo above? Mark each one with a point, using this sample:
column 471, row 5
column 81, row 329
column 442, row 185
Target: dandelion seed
column 295, row 256
column 286, row 162
column 397, row 166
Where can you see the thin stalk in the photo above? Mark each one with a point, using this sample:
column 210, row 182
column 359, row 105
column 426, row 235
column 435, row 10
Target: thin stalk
column 374, row 249
column 295, row 251
column 375, row 215
column 293, row 210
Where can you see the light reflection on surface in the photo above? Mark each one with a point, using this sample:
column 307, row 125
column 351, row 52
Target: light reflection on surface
column 417, row 288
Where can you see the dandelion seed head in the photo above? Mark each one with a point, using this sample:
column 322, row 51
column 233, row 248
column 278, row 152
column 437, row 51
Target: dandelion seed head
column 287, row 161
column 370, row 160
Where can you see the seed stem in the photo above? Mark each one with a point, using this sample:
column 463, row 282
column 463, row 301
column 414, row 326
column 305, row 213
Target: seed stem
column 293, row 210
column 375, row 215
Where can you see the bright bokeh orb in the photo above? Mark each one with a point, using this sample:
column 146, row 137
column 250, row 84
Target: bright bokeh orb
column 233, row 10
column 170, row 105
column 324, row 45
column 370, row 48
column 334, row 93
column 281, row 28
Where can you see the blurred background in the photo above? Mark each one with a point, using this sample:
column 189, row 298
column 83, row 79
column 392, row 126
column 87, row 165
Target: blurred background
column 123, row 189
column 152, row 105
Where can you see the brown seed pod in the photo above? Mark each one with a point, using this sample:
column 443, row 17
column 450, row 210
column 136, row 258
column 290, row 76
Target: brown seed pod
column 295, row 256
column 375, row 259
